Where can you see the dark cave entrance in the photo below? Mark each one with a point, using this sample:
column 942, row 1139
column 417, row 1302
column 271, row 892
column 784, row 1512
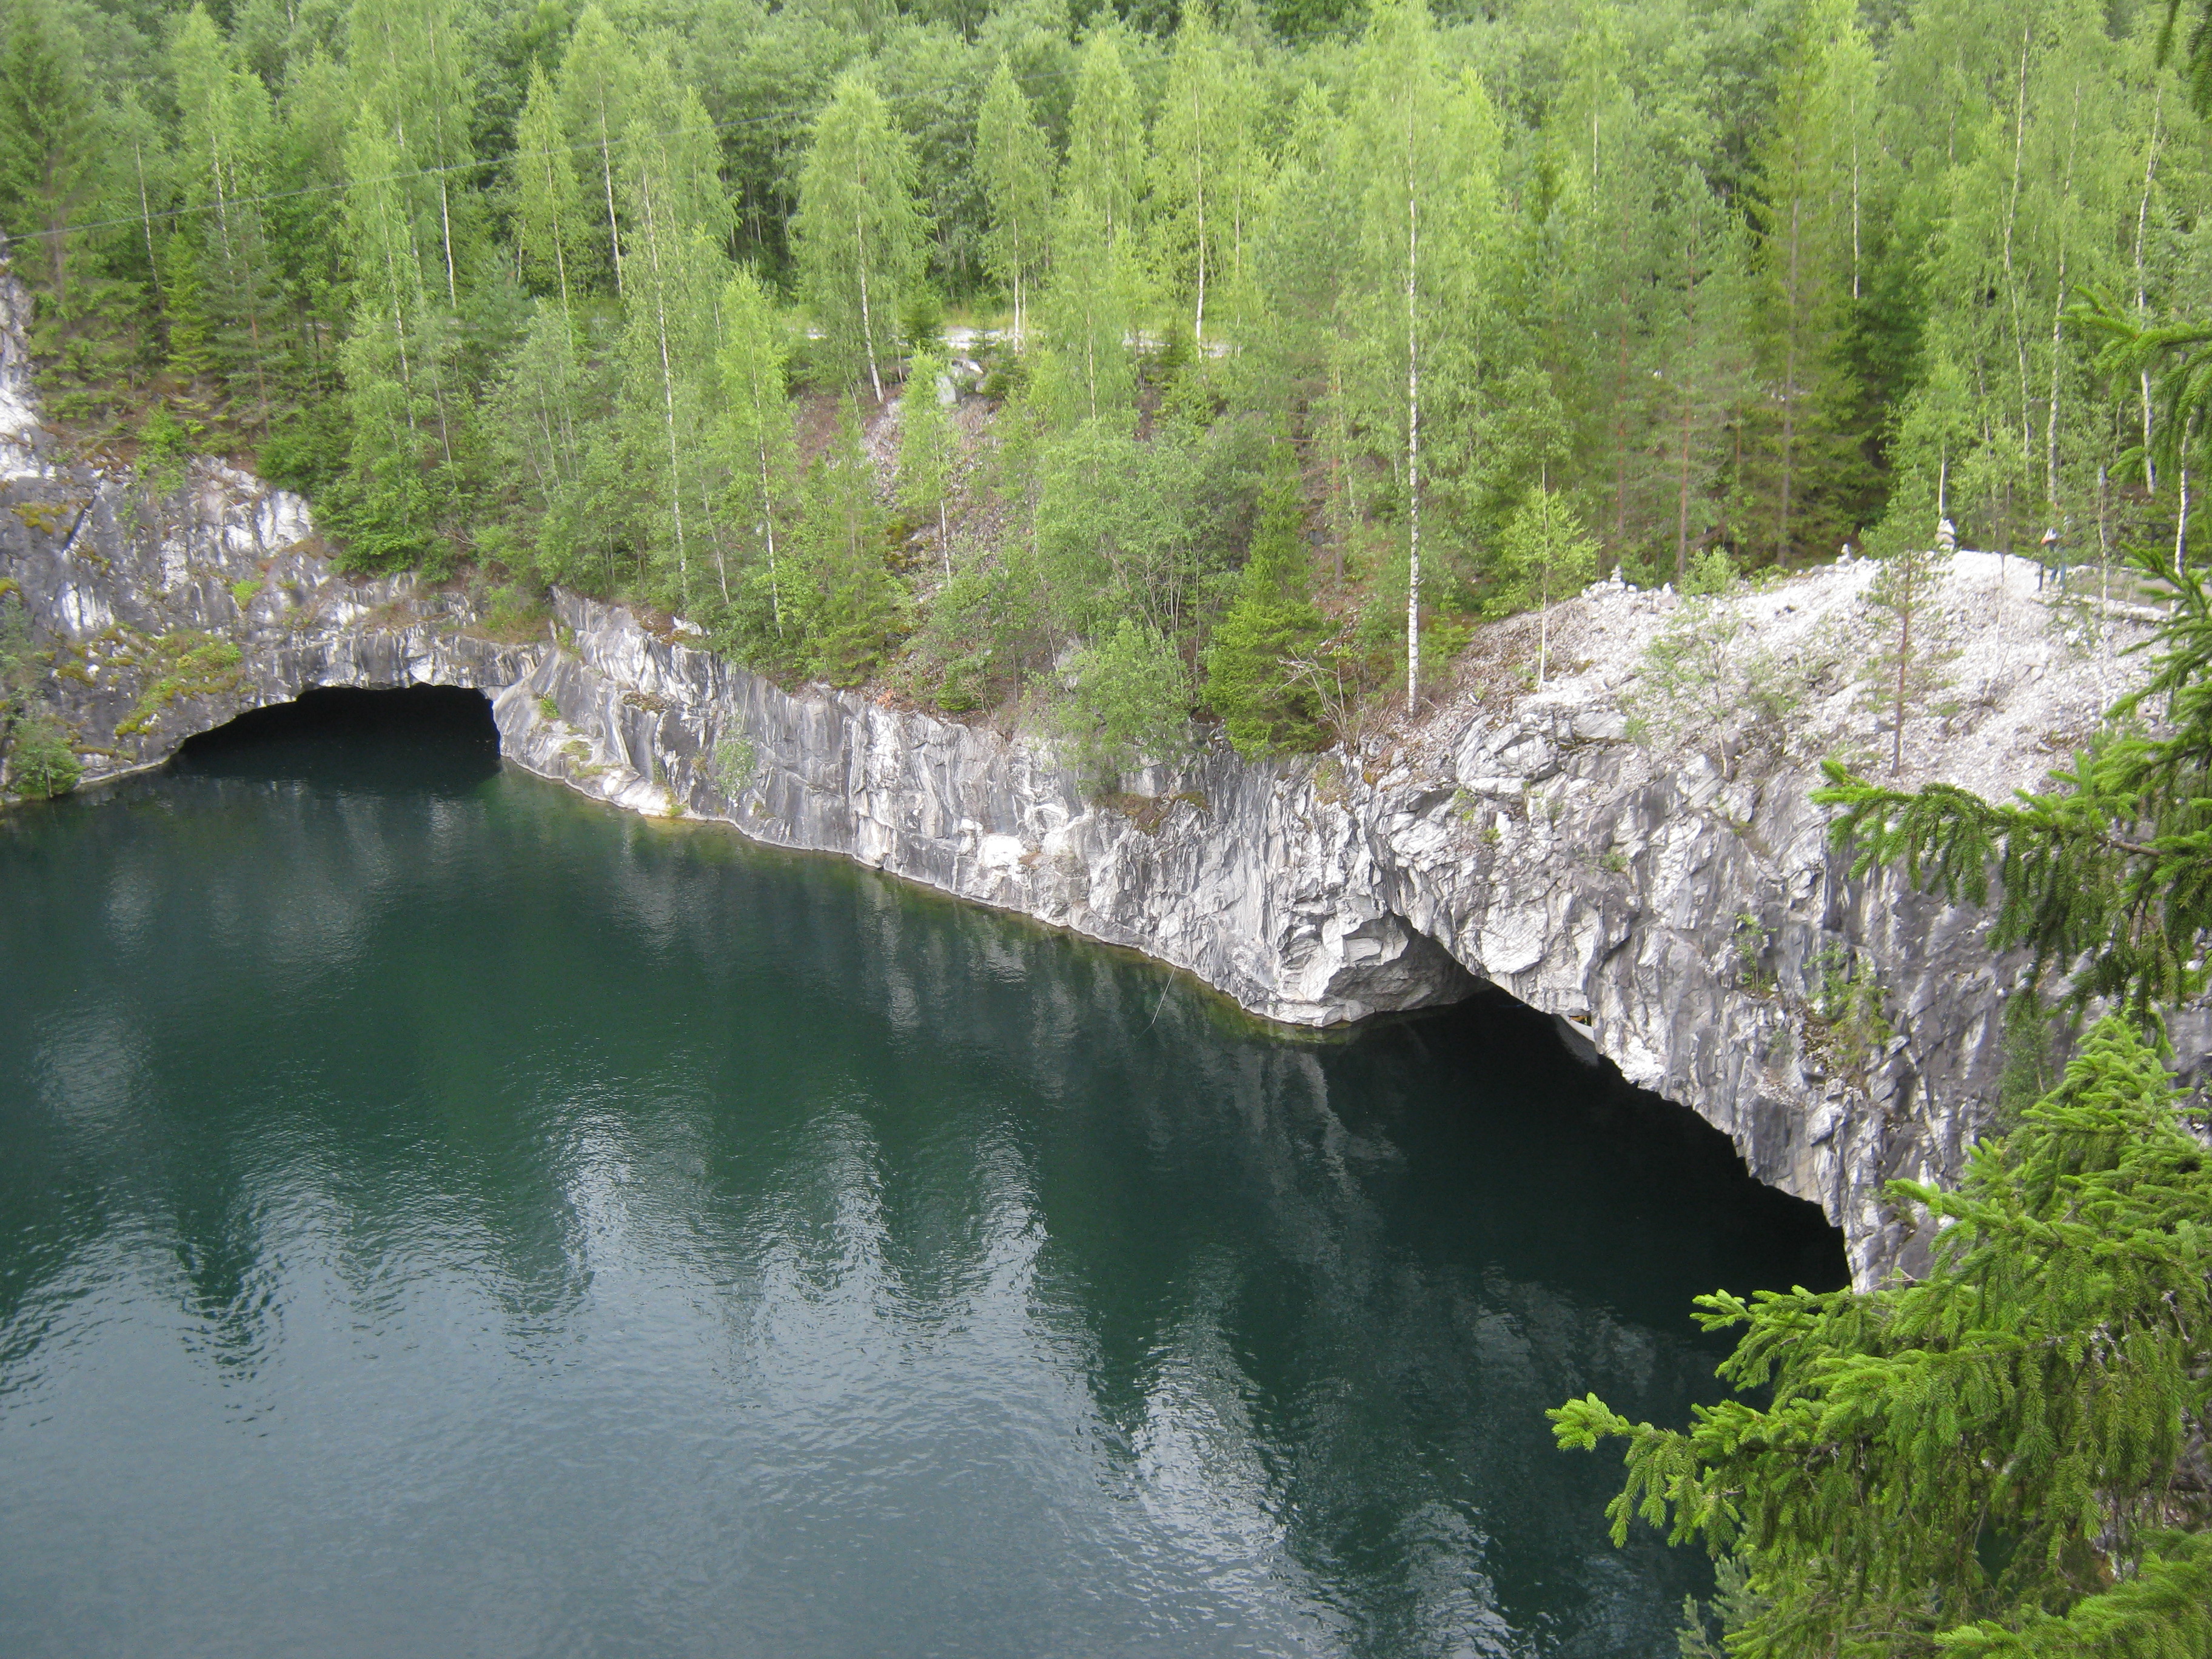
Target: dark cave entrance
column 441, row 735
column 1623, row 1153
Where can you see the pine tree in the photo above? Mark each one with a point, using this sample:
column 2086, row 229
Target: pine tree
column 858, row 233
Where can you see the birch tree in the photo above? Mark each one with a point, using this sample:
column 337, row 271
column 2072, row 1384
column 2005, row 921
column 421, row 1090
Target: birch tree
column 598, row 87
column 410, row 63
column 1199, row 163
column 754, row 431
column 679, row 221
column 384, row 507
column 1106, row 156
column 549, row 201
column 858, row 233
column 1014, row 158
column 929, row 449
column 1426, row 149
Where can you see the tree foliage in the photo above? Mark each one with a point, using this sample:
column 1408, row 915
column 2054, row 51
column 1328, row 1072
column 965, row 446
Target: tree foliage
column 1745, row 279
column 1265, row 666
column 2007, row 1457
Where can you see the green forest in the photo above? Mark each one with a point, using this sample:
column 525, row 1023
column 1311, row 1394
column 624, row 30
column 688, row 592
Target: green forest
column 1261, row 353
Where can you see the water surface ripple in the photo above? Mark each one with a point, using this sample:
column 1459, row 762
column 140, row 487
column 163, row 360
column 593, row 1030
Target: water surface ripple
column 441, row 1216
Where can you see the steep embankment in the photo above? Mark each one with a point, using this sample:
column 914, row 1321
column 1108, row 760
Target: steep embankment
column 1679, row 909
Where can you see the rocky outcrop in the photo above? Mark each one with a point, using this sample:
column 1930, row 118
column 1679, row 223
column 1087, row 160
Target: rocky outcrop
column 1681, row 926
column 1694, row 929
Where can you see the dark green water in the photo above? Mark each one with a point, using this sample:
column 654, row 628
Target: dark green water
column 440, row 1217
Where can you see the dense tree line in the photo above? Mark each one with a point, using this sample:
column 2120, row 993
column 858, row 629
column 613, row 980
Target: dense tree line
column 1444, row 310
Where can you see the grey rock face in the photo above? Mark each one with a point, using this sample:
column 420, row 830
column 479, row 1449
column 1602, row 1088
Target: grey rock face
column 1677, row 923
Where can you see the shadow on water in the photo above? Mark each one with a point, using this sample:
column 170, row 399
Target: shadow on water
column 499, row 1222
column 1597, row 1157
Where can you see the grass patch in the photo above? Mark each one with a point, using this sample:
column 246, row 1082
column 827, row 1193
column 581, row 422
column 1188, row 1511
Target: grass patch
column 182, row 664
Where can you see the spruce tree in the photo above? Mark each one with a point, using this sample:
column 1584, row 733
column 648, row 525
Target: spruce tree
column 847, row 604
column 2003, row 1458
column 1263, row 666
column 62, row 195
column 1702, row 370
column 1806, row 252
column 53, row 165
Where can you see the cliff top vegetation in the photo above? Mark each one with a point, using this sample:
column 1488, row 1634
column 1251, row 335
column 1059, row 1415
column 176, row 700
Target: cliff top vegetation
column 1146, row 363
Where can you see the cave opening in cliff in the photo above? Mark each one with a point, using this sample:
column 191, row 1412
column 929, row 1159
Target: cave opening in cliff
column 443, row 734
column 1645, row 1154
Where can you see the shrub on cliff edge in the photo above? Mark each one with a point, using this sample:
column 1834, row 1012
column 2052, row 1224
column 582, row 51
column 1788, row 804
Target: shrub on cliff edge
column 39, row 763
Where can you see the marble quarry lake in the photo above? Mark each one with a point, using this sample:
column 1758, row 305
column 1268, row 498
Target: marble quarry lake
column 442, row 1215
